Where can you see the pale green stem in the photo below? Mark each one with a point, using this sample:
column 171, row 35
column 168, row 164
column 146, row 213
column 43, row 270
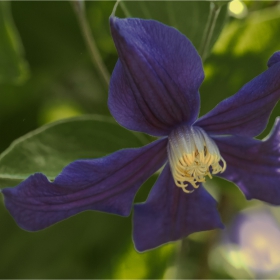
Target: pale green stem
column 125, row 10
column 225, row 210
column 182, row 259
column 209, row 29
column 203, row 270
column 90, row 42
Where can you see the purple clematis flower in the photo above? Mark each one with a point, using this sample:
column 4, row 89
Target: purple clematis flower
column 253, row 239
column 154, row 89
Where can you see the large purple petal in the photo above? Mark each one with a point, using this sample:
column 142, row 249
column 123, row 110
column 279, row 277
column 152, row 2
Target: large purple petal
column 170, row 214
column 247, row 112
column 106, row 184
column 155, row 83
column 253, row 165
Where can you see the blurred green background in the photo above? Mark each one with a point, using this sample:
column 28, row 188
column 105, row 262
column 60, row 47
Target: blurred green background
column 46, row 74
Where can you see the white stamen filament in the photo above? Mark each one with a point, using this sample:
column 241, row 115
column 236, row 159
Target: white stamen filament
column 193, row 155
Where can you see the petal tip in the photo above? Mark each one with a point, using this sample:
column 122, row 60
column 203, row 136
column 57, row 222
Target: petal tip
column 112, row 19
column 275, row 58
column 221, row 226
column 138, row 247
column 217, row 223
column 248, row 197
column 114, row 22
column 141, row 246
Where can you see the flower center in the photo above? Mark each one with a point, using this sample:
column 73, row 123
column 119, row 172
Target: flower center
column 192, row 156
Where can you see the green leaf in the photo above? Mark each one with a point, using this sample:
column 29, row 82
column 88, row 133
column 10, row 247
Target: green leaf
column 13, row 68
column 51, row 147
column 189, row 17
column 240, row 54
column 255, row 34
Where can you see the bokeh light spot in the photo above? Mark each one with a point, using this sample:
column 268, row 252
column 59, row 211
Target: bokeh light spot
column 237, row 9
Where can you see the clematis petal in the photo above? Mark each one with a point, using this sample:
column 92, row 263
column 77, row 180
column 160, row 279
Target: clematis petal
column 106, row 184
column 247, row 112
column 170, row 214
column 155, row 83
column 274, row 59
column 253, row 165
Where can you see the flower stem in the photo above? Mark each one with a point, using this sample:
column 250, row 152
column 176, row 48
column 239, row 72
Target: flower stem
column 208, row 32
column 225, row 211
column 90, row 42
column 182, row 259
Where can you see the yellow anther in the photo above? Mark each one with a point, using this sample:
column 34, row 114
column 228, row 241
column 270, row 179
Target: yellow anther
column 193, row 155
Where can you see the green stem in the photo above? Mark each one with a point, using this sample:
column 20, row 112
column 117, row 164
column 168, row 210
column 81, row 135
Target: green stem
column 203, row 261
column 182, row 259
column 208, row 33
column 185, row 267
column 90, row 42
column 224, row 210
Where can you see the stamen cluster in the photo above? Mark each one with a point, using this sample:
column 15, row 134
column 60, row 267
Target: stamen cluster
column 193, row 155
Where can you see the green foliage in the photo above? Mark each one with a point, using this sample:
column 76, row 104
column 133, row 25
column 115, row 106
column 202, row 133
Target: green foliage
column 65, row 83
column 51, row 147
column 241, row 54
column 189, row 17
column 90, row 245
column 13, row 67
